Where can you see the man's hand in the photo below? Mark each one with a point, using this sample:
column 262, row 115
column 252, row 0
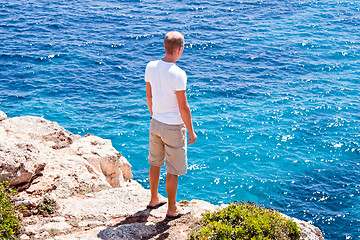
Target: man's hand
column 192, row 137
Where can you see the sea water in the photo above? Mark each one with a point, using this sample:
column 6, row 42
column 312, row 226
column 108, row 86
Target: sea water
column 273, row 87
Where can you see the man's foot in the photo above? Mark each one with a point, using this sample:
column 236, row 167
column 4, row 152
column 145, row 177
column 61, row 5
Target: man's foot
column 179, row 213
column 173, row 212
column 155, row 203
column 150, row 206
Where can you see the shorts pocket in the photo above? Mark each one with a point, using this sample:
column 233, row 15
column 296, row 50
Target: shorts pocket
column 173, row 138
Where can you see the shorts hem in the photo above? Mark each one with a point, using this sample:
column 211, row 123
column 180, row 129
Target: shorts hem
column 156, row 165
column 173, row 173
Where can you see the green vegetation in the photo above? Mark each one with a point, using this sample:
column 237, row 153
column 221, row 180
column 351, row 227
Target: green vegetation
column 246, row 221
column 9, row 217
column 47, row 206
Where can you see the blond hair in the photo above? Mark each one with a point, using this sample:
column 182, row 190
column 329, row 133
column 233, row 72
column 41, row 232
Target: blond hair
column 173, row 41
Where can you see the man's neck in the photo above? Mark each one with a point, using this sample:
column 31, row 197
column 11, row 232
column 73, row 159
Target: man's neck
column 170, row 58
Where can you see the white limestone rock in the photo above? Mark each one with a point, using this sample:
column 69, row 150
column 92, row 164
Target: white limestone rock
column 91, row 234
column 40, row 156
column 106, row 204
column 60, row 227
column 58, row 219
column 2, row 116
column 24, row 237
column 31, row 229
column 308, row 231
column 104, row 159
column 90, row 224
column 20, row 162
column 37, row 128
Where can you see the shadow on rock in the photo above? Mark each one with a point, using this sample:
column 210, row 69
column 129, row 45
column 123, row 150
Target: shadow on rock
column 138, row 226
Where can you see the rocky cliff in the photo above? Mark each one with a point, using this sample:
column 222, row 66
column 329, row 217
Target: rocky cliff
column 91, row 184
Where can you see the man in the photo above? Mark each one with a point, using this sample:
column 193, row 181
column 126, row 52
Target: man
column 170, row 113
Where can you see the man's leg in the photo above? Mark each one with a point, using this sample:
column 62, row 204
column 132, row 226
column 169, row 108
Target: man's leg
column 171, row 189
column 154, row 176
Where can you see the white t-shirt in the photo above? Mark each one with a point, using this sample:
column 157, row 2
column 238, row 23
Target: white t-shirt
column 165, row 79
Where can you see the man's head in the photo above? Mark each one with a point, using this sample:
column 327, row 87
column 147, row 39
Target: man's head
column 173, row 42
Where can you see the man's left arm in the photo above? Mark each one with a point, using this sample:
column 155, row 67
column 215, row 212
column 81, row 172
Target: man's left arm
column 185, row 113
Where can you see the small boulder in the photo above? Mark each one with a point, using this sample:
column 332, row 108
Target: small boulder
column 20, row 163
column 2, row 116
column 104, row 159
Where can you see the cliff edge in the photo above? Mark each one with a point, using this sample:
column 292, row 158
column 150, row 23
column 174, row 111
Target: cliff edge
column 92, row 185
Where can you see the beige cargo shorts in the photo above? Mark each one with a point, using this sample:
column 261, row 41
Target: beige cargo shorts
column 168, row 142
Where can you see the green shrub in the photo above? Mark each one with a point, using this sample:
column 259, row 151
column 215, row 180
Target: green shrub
column 246, row 221
column 47, row 206
column 9, row 217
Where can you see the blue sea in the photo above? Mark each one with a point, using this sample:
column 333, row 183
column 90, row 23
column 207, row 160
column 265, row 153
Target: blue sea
column 273, row 87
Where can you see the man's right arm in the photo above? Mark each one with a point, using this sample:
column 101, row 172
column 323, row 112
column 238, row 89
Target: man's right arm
column 149, row 97
column 186, row 114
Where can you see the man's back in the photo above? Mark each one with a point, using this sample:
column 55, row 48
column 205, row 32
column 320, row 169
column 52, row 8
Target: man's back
column 165, row 79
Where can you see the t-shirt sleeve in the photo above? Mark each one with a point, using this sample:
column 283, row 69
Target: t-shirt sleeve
column 147, row 79
column 180, row 82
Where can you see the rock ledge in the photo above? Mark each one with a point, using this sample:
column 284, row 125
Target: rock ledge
column 92, row 185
